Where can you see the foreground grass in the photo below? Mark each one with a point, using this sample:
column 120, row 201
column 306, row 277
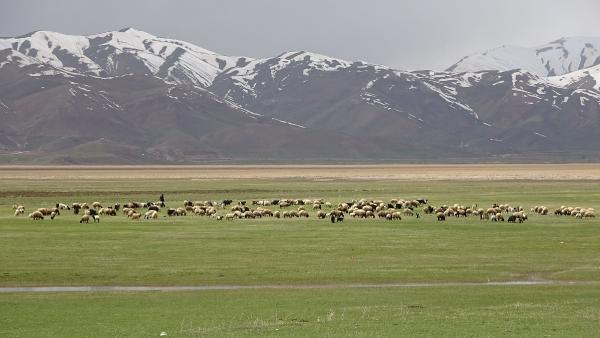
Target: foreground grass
column 534, row 311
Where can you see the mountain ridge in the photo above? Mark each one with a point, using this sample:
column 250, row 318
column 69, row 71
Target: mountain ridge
column 137, row 98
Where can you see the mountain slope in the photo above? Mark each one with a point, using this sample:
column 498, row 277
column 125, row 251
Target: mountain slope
column 556, row 58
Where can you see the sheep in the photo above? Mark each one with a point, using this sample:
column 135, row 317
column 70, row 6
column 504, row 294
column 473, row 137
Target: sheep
column 52, row 215
column 277, row 214
column 441, row 216
column 132, row 205
column 36, row 215
column 63, row 206
column 520, row 216
column 343, row 207
column 19, row 211
column 45, row 211
column 151, row 214
column 229, row 216
column 359, row 213
column 96, row 205
column 108, row 212
column 76, row 207
column 303, row 213
column 85, row 219
column 136, row 216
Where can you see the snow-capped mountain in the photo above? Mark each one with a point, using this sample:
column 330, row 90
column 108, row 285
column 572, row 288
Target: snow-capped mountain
column 556, row 58
column 131, row 97
column 127, row 51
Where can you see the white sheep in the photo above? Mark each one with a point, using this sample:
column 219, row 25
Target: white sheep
column 19, row 212
column 36, row 215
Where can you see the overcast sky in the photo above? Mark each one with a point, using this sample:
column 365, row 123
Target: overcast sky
column 406, row 34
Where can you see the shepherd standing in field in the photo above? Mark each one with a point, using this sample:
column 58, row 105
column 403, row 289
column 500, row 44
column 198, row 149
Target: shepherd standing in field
column 162, row 200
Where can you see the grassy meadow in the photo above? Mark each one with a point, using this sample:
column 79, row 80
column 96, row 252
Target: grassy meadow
column 196, row 250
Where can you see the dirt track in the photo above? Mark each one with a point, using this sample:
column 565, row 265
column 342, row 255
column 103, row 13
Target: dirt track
column 314, row 172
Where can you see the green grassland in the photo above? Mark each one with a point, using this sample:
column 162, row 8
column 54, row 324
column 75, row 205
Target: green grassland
column 483, row 311
column 203, row 251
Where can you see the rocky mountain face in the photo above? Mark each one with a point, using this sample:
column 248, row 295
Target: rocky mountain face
column 130, row 97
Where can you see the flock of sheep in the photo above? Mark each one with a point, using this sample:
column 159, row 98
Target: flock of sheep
column 391, row 210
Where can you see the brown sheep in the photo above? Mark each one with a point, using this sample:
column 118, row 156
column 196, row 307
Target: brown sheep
column 441, row 216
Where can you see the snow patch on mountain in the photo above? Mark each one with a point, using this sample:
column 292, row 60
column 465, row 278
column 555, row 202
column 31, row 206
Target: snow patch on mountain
column 556, row 58
column 585, row 78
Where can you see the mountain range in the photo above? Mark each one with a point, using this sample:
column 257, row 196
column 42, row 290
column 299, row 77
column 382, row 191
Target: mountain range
column 128, row 97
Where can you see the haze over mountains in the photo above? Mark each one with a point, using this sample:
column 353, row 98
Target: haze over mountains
column 130, row 97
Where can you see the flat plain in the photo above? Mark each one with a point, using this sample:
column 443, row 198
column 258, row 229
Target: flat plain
column 453, row 265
